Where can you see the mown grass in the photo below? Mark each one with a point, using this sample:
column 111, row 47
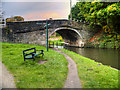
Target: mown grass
column 29, row 74
column 93, row 74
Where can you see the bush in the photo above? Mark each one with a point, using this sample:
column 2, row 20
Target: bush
column 102, row 45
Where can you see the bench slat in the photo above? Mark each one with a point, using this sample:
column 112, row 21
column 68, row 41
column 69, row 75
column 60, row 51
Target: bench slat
column 28, row 49
column 29, row 57
column 26, row 54
column 37, row 54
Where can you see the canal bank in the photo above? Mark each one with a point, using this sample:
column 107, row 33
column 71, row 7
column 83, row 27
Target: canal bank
column 94, row 74
column 103, row 39
column 105, row 56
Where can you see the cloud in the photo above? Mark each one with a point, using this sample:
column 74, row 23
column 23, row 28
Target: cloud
column 37, row 10
column 35, row 0
column 42, row 16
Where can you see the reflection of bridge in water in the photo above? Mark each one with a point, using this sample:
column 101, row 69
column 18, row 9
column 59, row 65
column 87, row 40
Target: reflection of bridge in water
column 34, row 32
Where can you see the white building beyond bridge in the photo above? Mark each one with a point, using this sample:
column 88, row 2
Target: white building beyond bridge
column 2, row 20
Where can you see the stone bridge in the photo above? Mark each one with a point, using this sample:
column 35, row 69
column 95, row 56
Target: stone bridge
column 34, row 32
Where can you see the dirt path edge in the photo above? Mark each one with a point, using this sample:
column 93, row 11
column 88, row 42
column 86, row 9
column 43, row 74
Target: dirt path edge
column 72, row 80
column 6, row 78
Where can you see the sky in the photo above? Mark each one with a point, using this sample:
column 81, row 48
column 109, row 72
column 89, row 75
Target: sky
column 37, row 9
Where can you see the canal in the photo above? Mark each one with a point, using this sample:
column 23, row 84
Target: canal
column 105, row 56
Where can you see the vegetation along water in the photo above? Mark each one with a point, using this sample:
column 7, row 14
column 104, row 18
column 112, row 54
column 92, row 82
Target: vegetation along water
column 105, row 15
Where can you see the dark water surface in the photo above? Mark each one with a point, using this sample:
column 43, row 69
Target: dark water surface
column 105, row 56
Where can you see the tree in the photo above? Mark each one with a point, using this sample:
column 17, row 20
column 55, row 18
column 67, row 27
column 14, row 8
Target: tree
column 15, row 18
column 104, row 14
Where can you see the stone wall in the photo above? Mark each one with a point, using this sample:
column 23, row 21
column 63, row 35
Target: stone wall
column 36, row 37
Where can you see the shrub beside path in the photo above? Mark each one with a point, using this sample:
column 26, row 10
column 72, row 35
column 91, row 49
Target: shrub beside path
column 6, row 78
column 73, row 80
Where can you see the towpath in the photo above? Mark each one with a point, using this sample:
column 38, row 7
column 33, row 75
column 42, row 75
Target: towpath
column 72, row 80
column 6, row 79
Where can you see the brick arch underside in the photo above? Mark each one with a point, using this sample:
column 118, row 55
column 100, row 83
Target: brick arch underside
column 70, row 36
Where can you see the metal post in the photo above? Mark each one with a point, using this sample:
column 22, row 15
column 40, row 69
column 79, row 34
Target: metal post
column 47, row 33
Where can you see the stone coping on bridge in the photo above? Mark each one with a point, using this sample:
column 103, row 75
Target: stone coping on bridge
column 41, row 20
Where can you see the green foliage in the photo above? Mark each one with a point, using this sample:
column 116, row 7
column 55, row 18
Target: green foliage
column 57, row 34
column 106, row 41
column 102, row 45
column 98, row 13
column 110, row 44
column 96, row 45
column 15, row 18
column 30, row 74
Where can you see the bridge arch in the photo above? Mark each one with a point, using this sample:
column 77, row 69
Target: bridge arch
column 69, row 35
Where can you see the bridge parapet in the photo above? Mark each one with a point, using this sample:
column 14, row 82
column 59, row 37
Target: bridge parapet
column 29, row 26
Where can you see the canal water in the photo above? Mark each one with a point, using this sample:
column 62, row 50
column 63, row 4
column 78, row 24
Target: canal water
column 105, row 56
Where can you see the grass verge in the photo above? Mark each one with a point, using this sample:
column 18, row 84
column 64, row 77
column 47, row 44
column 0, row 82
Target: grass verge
column 29, row 74
column 93, row 74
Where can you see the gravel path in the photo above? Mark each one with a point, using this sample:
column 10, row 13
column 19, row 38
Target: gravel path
column 6, row 78
column 73, row 80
